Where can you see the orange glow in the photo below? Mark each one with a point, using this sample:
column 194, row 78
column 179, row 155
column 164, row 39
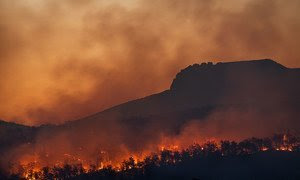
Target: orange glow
column 81, row 59
column 32, row 166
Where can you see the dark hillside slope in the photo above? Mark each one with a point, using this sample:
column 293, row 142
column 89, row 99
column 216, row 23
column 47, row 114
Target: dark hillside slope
column 260, row 91
column 12, row 134
column 199, row 89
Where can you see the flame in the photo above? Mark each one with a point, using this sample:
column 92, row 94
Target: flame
column 31, row 166
column 264, row 149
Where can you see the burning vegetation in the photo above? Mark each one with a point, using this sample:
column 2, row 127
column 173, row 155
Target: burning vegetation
column 169, row 159
column 169, row 134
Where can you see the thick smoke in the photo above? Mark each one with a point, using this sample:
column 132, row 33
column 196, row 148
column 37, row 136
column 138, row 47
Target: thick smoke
column 60, row 61
column 110, row 142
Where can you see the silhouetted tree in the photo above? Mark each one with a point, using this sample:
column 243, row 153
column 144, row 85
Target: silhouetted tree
column 209, row 161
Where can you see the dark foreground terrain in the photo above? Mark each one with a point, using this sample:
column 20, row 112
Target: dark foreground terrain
column 263, row 165
column 269, row 158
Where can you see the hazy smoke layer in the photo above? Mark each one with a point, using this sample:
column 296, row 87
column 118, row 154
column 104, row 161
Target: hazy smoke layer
column 63, row 60
column 110, row 142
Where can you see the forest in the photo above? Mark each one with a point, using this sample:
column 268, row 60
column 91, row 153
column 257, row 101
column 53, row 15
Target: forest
column 275, row 157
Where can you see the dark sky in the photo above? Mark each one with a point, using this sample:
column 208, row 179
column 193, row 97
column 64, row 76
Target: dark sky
column 61, row 61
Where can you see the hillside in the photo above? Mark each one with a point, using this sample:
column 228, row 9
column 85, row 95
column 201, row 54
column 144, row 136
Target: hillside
column 12, row 134
column 245, row 97
column 200, row 89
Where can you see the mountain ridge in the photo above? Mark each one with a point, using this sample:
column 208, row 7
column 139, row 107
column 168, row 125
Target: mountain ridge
column 261, row 63
column 236, row 84
column 227, row 100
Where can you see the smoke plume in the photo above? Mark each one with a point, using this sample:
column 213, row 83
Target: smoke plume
column 61, row 61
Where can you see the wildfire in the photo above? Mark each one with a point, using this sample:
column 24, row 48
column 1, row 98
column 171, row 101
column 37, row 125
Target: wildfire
column 30, row 167
column 170, row 148
column 264, row 149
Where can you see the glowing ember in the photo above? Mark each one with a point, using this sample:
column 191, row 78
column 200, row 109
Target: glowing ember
column 31, row 168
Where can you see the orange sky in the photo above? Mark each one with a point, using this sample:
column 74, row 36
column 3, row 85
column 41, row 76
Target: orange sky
column 62, row 60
